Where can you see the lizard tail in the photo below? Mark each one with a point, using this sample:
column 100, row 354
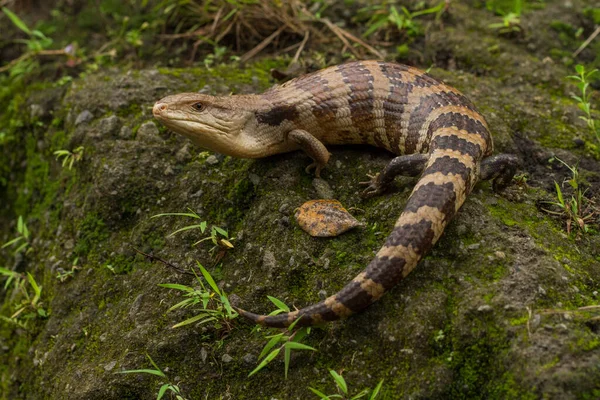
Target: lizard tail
column 451, row 172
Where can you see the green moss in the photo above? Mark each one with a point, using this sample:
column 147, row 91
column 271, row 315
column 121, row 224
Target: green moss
column 257, row 74
column 587, row 343
column 92, row 231
column 519, row 321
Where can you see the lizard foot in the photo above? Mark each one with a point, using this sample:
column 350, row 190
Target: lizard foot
column 317, row 166
column 374, row 186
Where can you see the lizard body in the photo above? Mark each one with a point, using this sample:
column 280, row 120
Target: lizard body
column 434, row 129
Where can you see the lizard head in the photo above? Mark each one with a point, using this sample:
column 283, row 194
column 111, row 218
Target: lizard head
column 215, row 123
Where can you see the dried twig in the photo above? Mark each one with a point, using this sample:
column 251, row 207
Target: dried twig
column 587, row 41
column 337, row 31
column 529, row 314
column 152, row 257
column 258, row 48
column 362, row 43
column 25, row 56
column 297, row 55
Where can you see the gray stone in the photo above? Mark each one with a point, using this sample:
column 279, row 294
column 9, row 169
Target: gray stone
column 110, row 366
column 36, row 111
column 84, row 117
column 212, row 160
column 255, row 179
column 125, row 132
column 226, row 358
column 109, row 126
column 249, row 359
column 148, row 132
column 485, row 309
column 323, row 189
column 183, row 154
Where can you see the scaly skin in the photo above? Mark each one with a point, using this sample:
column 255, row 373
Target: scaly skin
column 434, row 129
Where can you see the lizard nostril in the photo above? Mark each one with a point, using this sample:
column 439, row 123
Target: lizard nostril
column 158, row 108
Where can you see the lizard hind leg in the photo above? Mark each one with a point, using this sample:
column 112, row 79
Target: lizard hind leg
column 407, row 165
column 311, row 146
column 500, row 169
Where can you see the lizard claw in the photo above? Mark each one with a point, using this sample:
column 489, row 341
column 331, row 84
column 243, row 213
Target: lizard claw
column 317, row 166
column 373, row 187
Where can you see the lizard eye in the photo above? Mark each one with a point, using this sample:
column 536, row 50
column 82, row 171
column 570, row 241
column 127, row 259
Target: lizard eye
column 198, row 106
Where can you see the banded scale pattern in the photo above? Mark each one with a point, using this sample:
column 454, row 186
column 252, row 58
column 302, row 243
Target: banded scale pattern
column 388, row 105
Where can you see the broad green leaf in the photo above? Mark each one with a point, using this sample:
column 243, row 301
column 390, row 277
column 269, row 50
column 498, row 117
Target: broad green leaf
column 15, row 240
column 264, row 362
column 153, row 363
column 185, row 228
column 192, row 215
column 162, row 391
column 360, row 395
column 318, row 393
column 270, row 344
column 142, row 371
column 299, row 346
column 181, row 304
column 203, row 226
column 37, row 289
column 286, row 359
column 375, row 391
column 194, row 319
column 339, row 381
column 8, row 272
column 298, row 336
column 209, row 279
column 431, row 10
column 276, row 312
column 21, row 247
column 16, row 20
column 280, row 304
column 293, row 324
column 176, row 286
column 559, row 194
column 223, row 232
column 375, row 26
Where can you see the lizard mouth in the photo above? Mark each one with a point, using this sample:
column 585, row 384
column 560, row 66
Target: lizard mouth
column 182, row 123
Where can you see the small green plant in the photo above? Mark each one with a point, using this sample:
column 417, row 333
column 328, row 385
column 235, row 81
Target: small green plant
column 511, row 22
column 27, row 295
column 69, row 157
column 167, row 386
column 582, row 80
column 289, row 340
column 63, row 275
column 215, row 56
column 342, row 389
column 219, row 236
column 578, row 209
column 22, row 240
column 510, row 14
column 37, row 43
column 382, row 17
column 11, row 277
column 214, row 304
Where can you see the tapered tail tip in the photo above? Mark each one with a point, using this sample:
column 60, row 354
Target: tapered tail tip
column 256, row 318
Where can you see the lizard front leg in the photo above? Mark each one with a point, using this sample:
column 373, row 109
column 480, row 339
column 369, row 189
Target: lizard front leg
column 408, row 165
column 500, row 169
column 313, row 147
